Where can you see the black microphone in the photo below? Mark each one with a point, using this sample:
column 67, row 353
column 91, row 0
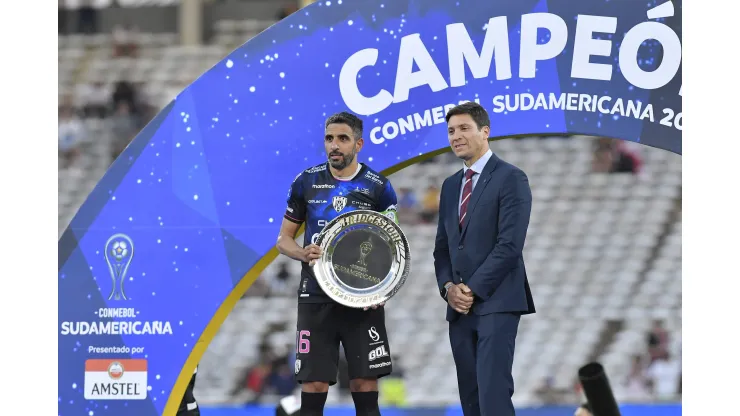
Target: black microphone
column 598, row 391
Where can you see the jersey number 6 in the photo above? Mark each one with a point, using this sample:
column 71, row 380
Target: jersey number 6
column 302, row 342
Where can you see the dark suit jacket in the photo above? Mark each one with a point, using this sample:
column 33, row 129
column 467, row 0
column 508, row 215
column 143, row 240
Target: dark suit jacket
column 487, row 254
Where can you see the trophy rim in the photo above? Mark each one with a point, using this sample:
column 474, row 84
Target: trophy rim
column 324, row 271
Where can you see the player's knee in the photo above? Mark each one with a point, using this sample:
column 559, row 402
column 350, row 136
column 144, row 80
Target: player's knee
column 360, row 385
column 314, row 387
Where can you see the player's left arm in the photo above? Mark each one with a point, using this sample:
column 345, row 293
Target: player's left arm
column 388, row 202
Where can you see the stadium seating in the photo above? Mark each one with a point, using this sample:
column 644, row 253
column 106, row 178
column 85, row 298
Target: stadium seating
column 77, row 181
column 600, row 249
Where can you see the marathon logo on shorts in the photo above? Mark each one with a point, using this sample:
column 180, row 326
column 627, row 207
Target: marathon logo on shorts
column 380, row 365
column 378, row 352
column 115, row 379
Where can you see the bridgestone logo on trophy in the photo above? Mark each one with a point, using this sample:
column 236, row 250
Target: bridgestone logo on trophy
column 365, row 259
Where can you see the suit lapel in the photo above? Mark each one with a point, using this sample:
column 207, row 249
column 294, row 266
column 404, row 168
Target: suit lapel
column 480, row 186
column 456, row 204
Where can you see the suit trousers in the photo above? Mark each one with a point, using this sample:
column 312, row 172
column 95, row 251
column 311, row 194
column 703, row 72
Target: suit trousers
column 483, row 350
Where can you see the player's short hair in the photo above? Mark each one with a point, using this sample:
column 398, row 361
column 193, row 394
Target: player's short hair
column 354, row 122
column 474, row 110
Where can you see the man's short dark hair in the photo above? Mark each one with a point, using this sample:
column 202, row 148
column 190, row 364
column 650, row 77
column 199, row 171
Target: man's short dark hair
column 354, row 122
column 475, row 110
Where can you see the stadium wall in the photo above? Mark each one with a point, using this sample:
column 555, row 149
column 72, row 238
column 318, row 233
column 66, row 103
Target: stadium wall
column 627, row 410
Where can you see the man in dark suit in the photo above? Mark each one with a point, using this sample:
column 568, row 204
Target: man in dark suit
column 483, row 219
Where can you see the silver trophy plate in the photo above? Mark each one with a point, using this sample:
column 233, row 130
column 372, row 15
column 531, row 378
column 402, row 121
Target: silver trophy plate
column 365, row 259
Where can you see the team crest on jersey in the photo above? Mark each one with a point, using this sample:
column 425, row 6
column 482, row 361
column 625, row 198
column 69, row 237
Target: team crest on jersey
column 339, row 202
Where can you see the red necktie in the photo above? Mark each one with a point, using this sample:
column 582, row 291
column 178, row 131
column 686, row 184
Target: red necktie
column 467, row 191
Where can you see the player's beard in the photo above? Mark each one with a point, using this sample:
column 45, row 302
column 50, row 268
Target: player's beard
column 341, row 164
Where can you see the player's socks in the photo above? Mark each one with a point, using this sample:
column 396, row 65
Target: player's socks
column 366, row 403
column 312, row 404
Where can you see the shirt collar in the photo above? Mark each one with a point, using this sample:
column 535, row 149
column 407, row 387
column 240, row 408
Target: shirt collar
column 346, row 178
column 480, row 163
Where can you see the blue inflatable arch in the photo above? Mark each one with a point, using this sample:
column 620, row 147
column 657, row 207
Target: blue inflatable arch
column 186, row 218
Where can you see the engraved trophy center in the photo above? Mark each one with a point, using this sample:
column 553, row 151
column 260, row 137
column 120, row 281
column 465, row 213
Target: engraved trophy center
column 365, row 258
column 365, row 249
column 353, row 262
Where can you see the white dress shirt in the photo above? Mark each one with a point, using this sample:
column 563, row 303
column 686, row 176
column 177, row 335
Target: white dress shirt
column 477, row 168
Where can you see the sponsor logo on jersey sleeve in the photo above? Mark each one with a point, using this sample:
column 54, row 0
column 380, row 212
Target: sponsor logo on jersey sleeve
column 319, row 168
column 373, row 177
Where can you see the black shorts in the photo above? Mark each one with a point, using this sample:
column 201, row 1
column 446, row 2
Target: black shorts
column 322, row 326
